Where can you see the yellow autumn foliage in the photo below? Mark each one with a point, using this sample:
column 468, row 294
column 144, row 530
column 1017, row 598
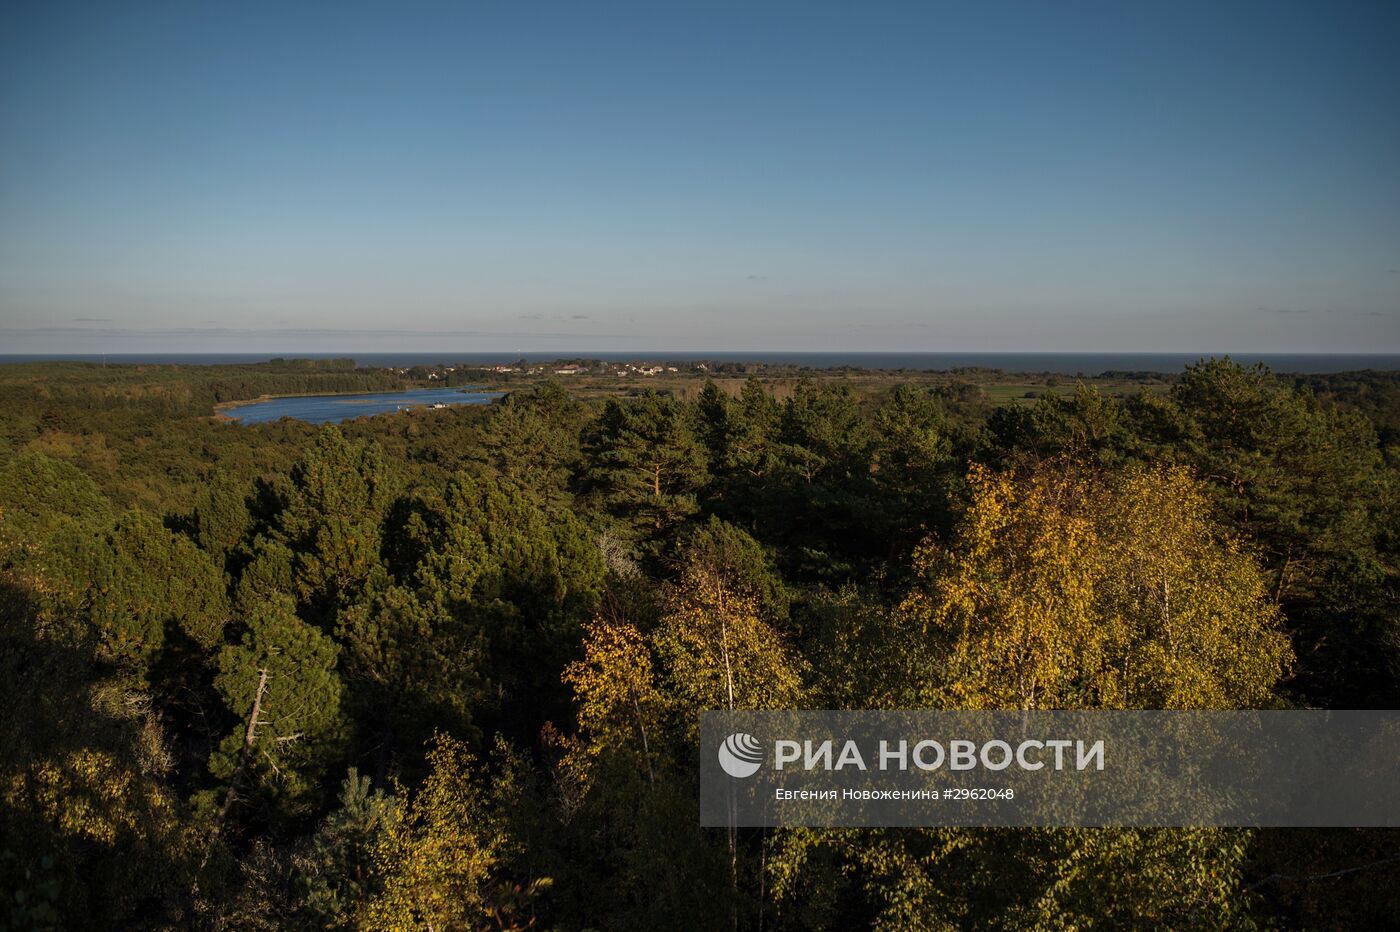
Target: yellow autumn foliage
column 90, row 794
column 719, row 653
column 619, row 707
column 1065, row 589
column 614, row 685
column 437, row 851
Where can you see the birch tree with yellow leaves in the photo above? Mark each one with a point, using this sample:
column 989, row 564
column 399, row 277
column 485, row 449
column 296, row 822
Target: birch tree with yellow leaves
column 438, row 850
column 718, row 652
column 1072, row 588
column 1063, row 589
column 618, row 704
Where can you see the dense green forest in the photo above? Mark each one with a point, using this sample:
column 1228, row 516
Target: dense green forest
column 442, row 669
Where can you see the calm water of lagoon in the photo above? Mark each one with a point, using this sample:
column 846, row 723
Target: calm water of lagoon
column 325, row 409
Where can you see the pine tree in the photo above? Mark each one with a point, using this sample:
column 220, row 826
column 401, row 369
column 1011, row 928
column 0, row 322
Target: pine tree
column 335, row 505
column 144, row 582
column 280, row 683
column 648, row 460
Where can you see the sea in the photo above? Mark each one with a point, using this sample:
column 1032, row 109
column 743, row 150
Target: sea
column 1087, row 364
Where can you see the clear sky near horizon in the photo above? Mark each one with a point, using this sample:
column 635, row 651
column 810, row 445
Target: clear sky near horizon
column 287, row 177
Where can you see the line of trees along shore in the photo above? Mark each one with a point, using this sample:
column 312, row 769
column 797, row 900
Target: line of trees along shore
column 442, row 669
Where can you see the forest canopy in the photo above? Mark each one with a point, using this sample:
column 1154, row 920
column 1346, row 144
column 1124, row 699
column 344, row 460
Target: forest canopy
column 442, row 669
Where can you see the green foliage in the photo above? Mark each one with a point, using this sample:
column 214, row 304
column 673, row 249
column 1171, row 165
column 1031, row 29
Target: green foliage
column 269, row 573
column 822, row 485
column 336, row 501
column 410, row 666
column 484, row 544
column 1088, row 425
column 221, row 521
column 298, row 718
column 519, row 578
column 721, row 549
column 865, row 655
column 1297, row 476
column 146, row 581
column 1304, row 482
column 578, row 577
column 337, row 875
column 647, row 459
column 39, row 495
column 914, row 466
column 532, row 441
column 91, row 833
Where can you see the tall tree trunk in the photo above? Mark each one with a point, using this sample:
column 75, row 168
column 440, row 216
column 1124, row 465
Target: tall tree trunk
column 646, row 747
column 733, row 828
column 244, row 753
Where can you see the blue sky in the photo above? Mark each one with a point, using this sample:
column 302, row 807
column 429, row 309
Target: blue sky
column 855, row 176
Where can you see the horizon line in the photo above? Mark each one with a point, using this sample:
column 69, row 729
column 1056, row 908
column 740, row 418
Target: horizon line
column 698, row 353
